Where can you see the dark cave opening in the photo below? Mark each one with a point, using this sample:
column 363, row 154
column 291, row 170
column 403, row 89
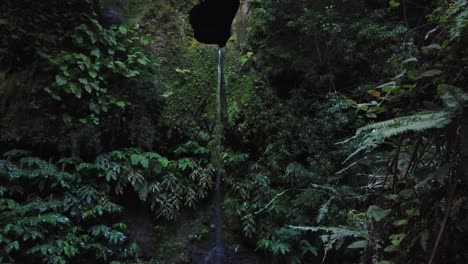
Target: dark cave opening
column 211, row 21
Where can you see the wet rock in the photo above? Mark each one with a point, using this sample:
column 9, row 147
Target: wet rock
column 112, row 15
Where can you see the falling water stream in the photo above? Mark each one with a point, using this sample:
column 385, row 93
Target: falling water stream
column 217, row 254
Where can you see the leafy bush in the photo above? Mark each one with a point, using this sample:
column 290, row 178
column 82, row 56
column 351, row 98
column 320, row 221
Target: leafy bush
column 53, row 214
column 57, row 212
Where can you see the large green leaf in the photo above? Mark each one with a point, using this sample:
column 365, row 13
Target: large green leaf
column 358, row 244
column 378, row 213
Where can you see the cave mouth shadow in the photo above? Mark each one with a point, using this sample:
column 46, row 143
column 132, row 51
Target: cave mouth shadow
column 211, row 21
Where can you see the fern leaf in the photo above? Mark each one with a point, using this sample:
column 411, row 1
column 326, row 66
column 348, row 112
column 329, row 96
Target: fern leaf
column 323, row 211
column 375, row 134
column 453, row 97
column 340, row 232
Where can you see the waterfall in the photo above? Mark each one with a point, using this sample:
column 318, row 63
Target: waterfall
column 218, row 250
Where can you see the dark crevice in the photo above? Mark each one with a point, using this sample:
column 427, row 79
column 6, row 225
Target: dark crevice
column 211, row 21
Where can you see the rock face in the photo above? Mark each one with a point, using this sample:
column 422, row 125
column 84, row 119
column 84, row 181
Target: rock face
column 241, row 22
column 211, row 21
column 112, row 16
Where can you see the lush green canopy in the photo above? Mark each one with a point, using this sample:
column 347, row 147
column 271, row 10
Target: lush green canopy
column 344, row 139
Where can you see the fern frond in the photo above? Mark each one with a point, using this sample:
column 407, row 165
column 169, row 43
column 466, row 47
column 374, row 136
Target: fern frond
column 452, row 97
column 339, row 232
column 457, row 14
column 323, row 210
column 375, row 134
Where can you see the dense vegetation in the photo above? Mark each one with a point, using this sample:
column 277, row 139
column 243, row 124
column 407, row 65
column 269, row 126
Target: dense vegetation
column 344, row 137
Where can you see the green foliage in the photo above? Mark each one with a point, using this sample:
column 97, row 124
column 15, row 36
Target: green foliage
column 310, row 75
column 73, row 72
column 337, row 237
column 74, row 200
column 81, row 75
column 300, row 63
column 419, row 110
column 58, row 221
column 167, row 185
column 106, row 54
column 378, row 213
column 311, row 56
